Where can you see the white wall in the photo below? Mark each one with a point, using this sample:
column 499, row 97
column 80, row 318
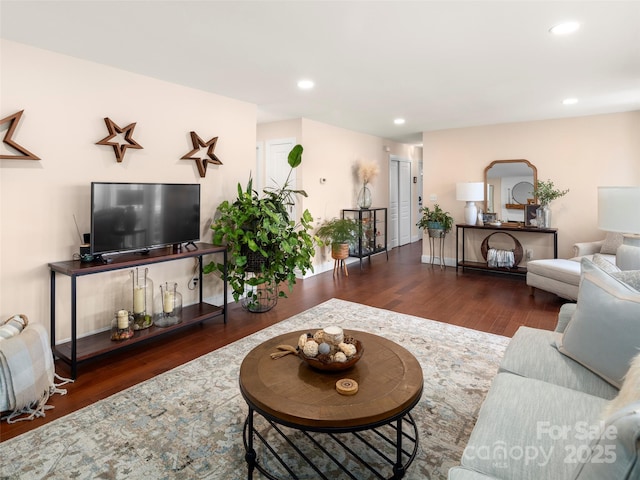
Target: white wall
column 579, row 153
column 65, row 101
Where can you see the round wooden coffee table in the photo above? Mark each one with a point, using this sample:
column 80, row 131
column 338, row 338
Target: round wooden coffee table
column 288, row 392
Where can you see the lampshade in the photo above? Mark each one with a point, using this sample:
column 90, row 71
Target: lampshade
column 470, row 191
column 619, row 209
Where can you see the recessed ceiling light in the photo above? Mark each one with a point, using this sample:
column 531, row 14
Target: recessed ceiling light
column 564, row 28
column 399, row 121
column 569, row 101
column 306, row 84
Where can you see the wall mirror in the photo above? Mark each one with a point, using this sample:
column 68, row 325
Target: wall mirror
column 509, row 187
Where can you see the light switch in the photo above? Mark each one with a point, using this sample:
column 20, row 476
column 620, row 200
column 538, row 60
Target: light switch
column 433, row 197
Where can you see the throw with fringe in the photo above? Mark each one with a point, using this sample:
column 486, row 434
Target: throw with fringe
column 27, row 376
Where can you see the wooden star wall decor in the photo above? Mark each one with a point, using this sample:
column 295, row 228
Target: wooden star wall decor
column 119, row 148
column 202, row 163
column 13, row 121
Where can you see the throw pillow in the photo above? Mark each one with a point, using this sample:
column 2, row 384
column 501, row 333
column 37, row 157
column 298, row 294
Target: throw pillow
column 630, row 277
column 611, row 243
column 630, row 391
column 13, row 326
column 601, row 261
column 604, row 332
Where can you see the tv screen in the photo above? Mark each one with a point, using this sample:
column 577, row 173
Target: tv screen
column 140, row 216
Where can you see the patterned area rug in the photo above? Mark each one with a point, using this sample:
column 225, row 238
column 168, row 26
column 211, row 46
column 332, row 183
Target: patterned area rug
column 187, row 423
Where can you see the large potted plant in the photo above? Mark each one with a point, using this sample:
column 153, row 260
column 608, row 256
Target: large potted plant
column 339, row 233
column 437, row 222
column 265, row 247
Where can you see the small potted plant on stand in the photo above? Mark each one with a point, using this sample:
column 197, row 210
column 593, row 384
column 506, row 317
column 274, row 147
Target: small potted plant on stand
column 339, row 233
column 437, row 222
column 546, row 192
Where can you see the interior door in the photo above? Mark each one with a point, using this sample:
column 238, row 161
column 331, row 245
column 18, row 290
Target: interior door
column 399, row 201
column 404, row 202
column 393, row 205
column 277, row 167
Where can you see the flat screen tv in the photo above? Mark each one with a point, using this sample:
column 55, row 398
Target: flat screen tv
column 142, row 216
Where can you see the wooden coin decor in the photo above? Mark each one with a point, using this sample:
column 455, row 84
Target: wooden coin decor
column 517, row 250
column 13, row 121
column 119, row 148
column 347, row 386
column 202, row 162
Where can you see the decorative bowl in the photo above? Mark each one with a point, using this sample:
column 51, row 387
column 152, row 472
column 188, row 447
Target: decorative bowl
column 334, row 366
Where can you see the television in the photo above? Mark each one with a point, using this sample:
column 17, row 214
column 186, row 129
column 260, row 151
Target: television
column 140, row 216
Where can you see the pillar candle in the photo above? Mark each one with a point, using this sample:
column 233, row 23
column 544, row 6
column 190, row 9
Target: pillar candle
column 138, row 299
column 123, row 319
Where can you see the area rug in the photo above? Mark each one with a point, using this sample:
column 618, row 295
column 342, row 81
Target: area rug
column 187, row 423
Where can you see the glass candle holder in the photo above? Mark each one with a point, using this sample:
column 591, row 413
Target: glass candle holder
column 140, row 289
column 168, row 305
column 122, row 325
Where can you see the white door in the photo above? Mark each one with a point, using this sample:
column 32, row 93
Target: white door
column 399, row 201
column 277, row 167
column 404, row 201
column 393, row 205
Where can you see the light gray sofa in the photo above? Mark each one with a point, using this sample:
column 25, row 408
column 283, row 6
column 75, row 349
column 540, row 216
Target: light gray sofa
column 566, row 404
column 562, row 276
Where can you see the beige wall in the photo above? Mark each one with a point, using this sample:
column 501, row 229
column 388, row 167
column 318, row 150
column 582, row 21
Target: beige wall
column 579, row 153
column 65, row 101
column 333, row 153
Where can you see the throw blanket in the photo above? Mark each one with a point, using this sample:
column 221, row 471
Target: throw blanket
column 26, row 374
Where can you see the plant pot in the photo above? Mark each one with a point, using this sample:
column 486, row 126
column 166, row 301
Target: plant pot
column 436, row 232
column 339, row 251
column 259, row 298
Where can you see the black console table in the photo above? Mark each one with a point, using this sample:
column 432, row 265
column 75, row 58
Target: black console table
column 516, row 270
column 80, row 349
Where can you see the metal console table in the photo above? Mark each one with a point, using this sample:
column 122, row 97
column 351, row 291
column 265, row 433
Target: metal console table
column 462, row 262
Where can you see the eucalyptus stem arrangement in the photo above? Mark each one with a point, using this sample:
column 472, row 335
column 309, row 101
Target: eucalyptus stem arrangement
column 546, row 192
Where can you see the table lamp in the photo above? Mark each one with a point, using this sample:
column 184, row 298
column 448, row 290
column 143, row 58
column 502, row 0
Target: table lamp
column 470, row 192
column 618, row 212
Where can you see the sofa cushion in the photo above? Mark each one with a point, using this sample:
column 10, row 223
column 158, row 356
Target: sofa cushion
column 526, row 428
column 615, row 453
column 604, row 263
column 604, row 332
column 532, row 353
column 630, row 391
column 567, row 271
column 611, row 243
column 630, row 277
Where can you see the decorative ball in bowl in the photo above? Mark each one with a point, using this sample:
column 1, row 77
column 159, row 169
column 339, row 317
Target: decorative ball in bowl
column 329, row 352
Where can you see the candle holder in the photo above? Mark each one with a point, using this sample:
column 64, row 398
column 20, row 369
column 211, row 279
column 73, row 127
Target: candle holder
column 168, row 305
column 122, row 325
column 140, row 289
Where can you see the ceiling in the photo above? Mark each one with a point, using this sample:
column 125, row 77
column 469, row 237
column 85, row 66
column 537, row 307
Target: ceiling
column 437, row 64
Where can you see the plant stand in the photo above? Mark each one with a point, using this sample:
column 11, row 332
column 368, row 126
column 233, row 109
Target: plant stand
column 437, row 239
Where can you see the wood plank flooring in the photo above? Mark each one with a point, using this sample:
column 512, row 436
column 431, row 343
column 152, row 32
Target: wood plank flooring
column 492, row 303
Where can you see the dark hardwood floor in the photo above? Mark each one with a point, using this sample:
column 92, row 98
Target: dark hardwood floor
column 492, row 303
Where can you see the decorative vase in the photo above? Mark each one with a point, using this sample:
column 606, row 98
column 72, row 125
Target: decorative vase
column 140, row 289
column 169, row 305
column 543, row 216
column 364, row 197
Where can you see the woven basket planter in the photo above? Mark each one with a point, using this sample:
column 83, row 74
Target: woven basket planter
column 339, row 251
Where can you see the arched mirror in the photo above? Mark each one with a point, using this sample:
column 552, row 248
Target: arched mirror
column 509, row 187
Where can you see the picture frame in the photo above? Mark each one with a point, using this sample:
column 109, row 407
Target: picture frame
column 530, row 215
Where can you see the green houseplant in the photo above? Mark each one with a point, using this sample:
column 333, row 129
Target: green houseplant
column 339, row 233
column 437, row 222
column 265, row 247
column 546, row 192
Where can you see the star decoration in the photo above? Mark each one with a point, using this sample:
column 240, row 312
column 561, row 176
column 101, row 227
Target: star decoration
column 119, row 148
column 13, row 124
column 202, row 162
